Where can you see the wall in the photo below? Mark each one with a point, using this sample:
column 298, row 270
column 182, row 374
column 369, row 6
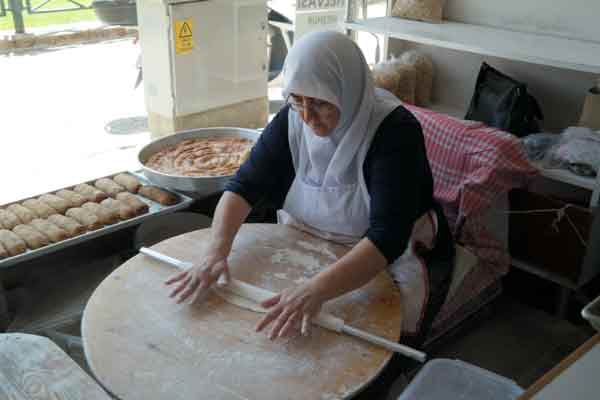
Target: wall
column 569, row 18
column 559, row 91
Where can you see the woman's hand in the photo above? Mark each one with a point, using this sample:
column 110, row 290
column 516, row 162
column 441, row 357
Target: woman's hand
column 292, row 310
column 198, row 279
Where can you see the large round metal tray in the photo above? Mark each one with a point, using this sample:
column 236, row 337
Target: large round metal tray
column 195, row 186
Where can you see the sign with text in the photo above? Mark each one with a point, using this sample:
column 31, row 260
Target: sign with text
column 314, row 15
column 184, row 36
column 320, row 5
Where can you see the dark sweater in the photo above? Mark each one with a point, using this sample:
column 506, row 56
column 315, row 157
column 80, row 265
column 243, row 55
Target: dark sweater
column 396, row 171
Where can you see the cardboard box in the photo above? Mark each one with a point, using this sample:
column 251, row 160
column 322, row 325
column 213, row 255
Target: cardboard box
column 547, row 239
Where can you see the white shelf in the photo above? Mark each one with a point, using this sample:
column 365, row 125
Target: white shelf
column 562, row 175
column 561, row 52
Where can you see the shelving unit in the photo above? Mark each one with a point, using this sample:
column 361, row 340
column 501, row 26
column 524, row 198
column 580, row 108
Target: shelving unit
column 556, row 51
column 537, row 48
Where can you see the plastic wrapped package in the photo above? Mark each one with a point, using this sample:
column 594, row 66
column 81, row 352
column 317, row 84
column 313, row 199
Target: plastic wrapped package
column 407, row 81
column 421, row 10
column 397, row 78
column 424, row 69
column 537, row 145
column 578, row 150
column 385, row 77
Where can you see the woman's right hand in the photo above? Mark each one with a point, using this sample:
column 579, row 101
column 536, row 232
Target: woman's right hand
column 197, row 280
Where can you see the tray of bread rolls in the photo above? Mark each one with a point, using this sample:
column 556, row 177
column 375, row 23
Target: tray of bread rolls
column 49, row 222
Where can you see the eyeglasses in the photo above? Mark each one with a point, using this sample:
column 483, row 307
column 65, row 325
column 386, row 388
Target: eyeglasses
column 320, row 107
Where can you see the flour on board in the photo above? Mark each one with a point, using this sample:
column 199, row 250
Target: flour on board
column 295, row 257
column 322, row 248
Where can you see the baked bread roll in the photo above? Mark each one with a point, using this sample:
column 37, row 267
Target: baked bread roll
column 3, row 251
column 70, row 225
column 160, row 196
column 39, row 208
column 8, row 219
column 48, row 229
column 139, row 207
column 106, row 216
column 59, row 204
column 13, row 244
column 128, row 181
column 74, row 199
column 109, row 186
column 31, row 236
column 85, row 218
column 90, row 192
column 24, row 214
column 124, row 210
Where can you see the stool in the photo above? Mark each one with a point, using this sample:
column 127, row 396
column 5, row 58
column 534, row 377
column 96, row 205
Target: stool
column 166, row 226
column 4, row 316
column 33, row 367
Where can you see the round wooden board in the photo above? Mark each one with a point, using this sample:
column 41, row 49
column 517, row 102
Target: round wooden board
column 141, row 345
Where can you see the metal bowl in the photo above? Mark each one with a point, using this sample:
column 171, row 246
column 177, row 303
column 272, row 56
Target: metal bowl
column 194, row 186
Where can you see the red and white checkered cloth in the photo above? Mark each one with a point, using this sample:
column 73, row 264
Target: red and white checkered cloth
column 472, row 165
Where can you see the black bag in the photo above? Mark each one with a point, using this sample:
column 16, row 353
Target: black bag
column 502, row 102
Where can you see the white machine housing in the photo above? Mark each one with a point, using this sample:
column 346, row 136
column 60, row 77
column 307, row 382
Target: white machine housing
column 227, row 62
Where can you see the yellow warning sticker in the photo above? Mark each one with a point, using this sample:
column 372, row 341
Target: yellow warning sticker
column 184, row 36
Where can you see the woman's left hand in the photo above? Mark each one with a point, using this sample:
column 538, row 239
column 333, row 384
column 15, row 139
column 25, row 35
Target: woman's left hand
column 292, row 310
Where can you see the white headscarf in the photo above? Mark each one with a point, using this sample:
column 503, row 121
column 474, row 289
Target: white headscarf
column 329, row 66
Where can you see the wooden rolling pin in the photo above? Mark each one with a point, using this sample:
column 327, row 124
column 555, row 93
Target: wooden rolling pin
column 324, row 320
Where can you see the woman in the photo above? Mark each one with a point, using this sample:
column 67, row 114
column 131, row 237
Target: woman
column 346, row 162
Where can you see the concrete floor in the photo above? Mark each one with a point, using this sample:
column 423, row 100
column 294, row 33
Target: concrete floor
column 516, row 341
column 55, row 107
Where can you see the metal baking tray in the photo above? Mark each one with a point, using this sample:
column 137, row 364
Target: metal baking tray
column 155, row 209
column 194, row 186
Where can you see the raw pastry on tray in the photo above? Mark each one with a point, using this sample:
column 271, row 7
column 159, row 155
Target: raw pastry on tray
column 124, row 210
column 25, row 215
column 73, row 227
column 130, row 182
column 90, row 192
column 13, row 244
column 39, row 208
column 107, row 216
column 8, row 219
column 157, row 194
column 84, row 217
column 31, row 236
column 109, row 186
column 74, row 199
column 59, row 204
column 48, row 229
column 131, row 200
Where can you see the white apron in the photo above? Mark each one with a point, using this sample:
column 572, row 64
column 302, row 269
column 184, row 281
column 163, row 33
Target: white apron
column 341, row 214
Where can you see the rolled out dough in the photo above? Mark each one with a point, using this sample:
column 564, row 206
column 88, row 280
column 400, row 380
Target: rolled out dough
column 249, row 297
column 239, row 301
